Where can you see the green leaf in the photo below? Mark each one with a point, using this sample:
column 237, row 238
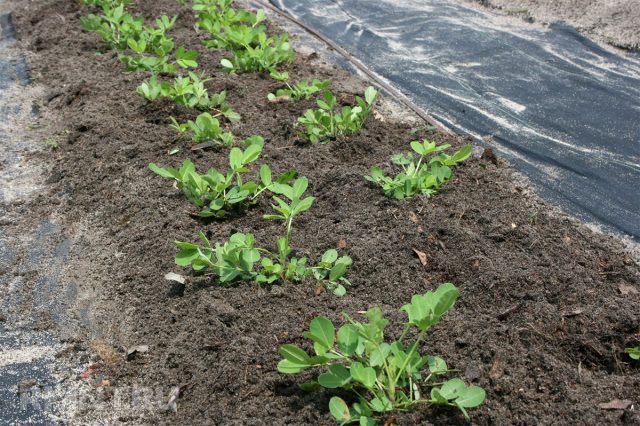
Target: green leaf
column 226, row 64
column 303, row 205
column 299, row 186
column 235, row 158
column 470, row 397
column 251, row 153
column 323, row 330
column 418, row 147
column 339, row 409
column 162, row 172
column 265, row 175
column 437, row 365
column 337, row 271
column 337, row 376
column 362, row 374
column 287, row 367
column 461, row 155
column 381, row 404
column 370, row 95
column 379, row 355
column 452, row 388
column 446, row 295
column 348, row 339
column 330, row 256
column 295, row 355
column 339, row 291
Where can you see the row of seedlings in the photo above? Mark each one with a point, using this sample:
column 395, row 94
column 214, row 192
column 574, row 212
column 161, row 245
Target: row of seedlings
column 383, row 375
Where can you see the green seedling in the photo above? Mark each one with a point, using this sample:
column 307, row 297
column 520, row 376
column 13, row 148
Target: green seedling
column 325, row 124
column 634, row 353
column 330, row 271
column 383, row 376
column 229, row 28
column 153, row 40
column 264, row 266
column 422, row 177
column 188, row 91
column 265, row 56
column 157, row 64
column 216, row 194
column 114, row 26
column 152, row 89
column 205, row 128
column 300, row 90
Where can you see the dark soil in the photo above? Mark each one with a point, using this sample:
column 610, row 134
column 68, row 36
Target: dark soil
column 541, row 323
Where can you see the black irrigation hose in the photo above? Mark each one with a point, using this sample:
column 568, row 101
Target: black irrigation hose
column 396, row 94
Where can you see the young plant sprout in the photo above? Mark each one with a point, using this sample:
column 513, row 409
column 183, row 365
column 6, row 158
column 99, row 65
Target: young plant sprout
column 424, row 176
column 188, row 91
column 634, row 353
column 300, row 90
column 325, row 123
column 238, row 258
column 215, row 193
column 384, row 376
column 205, row 128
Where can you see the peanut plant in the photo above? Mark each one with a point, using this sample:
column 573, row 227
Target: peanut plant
column 188, row 91
column 229, row 28
column 634, row 353
column 300, row 90
column 205, row 128
column 152, row 48
column 114, row 26
column 325, row 123
column 215, row 193
column 383, row 376
column 239, row 259
column 422, row 177
column 265, row 56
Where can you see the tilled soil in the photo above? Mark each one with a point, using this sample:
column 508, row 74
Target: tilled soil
column 616, row 22
column 546, row 307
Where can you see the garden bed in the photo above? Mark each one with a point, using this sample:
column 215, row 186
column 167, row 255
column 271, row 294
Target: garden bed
column 545, row 310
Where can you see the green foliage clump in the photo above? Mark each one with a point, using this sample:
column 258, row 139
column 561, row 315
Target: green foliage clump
column 242, row 32
column 303, row 89
column 325, row 123
column 152, row 48
column 422, row 176
column 205, row 128
column 239, row 259
column 265, row 56
column 114, row 26
column 188, row 91
column 383, row 376
column 229, row 28
column 634, row 353
column 215, row 193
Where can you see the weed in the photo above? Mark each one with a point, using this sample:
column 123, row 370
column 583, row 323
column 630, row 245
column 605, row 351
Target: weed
column 325, row 123
column 421, row 177
column 383, row 376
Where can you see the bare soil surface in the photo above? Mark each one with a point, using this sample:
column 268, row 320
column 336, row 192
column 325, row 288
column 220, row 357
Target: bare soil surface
column 546, row 307
column 616, row 22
